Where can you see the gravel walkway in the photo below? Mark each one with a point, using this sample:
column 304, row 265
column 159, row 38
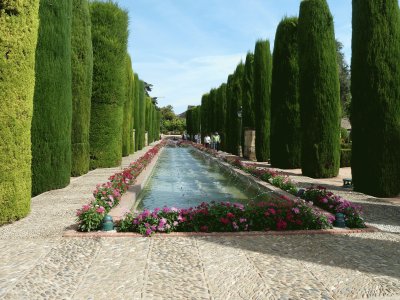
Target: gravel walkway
column 37, row 263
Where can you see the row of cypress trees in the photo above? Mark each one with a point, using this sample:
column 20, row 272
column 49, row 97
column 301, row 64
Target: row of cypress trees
column 296, row 104
column 69, row 96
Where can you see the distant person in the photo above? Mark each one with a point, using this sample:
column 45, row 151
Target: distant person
column 196, row 138
column 207, row 141
column 216, row 141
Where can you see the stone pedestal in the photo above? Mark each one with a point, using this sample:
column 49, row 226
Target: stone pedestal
column 249, row 144
column 134, row 138
column 146, row 139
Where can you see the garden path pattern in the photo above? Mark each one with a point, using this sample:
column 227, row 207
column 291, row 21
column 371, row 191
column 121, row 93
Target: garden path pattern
column 38, row 263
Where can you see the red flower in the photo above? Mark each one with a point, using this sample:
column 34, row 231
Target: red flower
column 230, row 215
column 224, row 221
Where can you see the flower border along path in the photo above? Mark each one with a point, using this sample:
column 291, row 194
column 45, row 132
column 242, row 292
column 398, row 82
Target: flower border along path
column 318, row 195
column 109, row 195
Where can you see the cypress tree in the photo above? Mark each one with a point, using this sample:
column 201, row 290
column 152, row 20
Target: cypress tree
column 221, row 113
column 132, row 145
column 189, row 121
column 248, row 96
column 229, row 121
column 142, row 116
column 375, row 107
column 108, row 95
column 236, row 121
column 204, row 116
column 262, row 98
column 128, row 107
column 136, row 111
column 285, row 105
column 82, row 72
column 212, row 111
column 19, row 25
column 52, row 105
column 319, row 91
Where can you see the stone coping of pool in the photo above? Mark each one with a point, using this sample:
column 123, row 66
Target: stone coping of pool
column 114, row 234
column 244, row 176
column 128, row 199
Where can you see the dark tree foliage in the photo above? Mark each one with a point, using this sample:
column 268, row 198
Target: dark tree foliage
column 132, row 147
column 82, row 72
column 128, row 107
column 17, row 81
column 189, row 121
column 262, row 98
column 229, row 121
column 221, row 113
column 212, row 111
column 375, row 107
column 235, row 110
column 108, row 94
column 204, row 116
column 136, row 112
column 319, row 91
column 285, row 105
column 248, row 96
column 52, row 106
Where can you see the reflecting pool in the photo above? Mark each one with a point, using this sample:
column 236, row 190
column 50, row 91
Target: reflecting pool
column 184, row 178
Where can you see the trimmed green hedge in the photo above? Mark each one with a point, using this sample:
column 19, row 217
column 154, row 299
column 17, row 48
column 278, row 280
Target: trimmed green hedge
column 128, row 107
column 345, row 158
column 235, row 107
column 375, row 107
column 319, row 91
column 285, row 103
column 204, row 116
column 248, row 119
column 262, row 98
column 108, row 96
column 52, row 106
column 19, row 24
column 82, row 71
column 221, row 114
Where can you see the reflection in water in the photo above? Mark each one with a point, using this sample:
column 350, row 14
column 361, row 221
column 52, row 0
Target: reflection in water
column 183, row 178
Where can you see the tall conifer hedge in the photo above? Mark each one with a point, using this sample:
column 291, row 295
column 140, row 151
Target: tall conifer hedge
column 82, row 71
column 285, row 105
column 52, row 108
column 319, row 91
column 236, row 122
column 204, row 116
column 262, row 98
column 375, row 107
column 229, row 124
column 132, row 145
column 128, row 107
column 110, row 35
column 136, row 111
column 142, row 115
column 248, row 95
column 221, row 113
column 19, row 24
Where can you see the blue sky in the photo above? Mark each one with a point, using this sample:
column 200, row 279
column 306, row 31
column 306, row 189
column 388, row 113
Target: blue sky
column 186, row 47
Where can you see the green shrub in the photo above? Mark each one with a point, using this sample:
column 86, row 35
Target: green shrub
column 319, row 91
column 82, row 71
column 262, row 98
column 229, row 121
column 19, row 24
column 375, row 107
column 235, row 107
column 345, row 158
column 344, row 135
column 108, row 96
column 285, row 103
column 204, row 116
column 221, row 113
column 52, row 105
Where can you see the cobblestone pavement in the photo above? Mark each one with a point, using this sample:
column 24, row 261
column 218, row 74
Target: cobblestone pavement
column 37, row 263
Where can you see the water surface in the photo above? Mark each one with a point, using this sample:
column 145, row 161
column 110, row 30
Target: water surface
column 183, row 178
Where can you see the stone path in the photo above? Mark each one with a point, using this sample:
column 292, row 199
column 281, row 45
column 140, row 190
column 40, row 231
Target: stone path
column 37, row 263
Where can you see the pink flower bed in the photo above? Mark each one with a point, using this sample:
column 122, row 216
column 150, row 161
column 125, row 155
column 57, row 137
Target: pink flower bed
column 107, row 195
